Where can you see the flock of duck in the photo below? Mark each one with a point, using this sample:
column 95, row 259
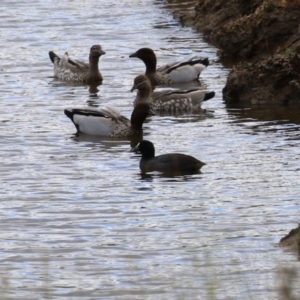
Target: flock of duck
column 108, row 121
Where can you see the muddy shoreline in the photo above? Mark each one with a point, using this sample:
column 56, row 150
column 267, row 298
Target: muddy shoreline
column 263, row 37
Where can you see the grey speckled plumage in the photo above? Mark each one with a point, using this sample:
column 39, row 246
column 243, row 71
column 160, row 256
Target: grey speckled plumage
column 177, row 72
column 169, row 101
column 108, row 121
column 68, row 69
column 166, row 163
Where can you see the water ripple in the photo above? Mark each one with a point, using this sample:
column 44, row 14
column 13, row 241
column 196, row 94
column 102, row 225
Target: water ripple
column 79, row 220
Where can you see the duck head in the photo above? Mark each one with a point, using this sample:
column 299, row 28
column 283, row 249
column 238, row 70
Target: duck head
column 96, row 51
column 141, row 83
column 148, row 56
column 146, row 148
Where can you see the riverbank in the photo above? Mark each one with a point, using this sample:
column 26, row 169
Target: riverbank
column 263, row 38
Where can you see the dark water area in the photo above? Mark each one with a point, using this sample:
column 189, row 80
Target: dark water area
column 79, row 220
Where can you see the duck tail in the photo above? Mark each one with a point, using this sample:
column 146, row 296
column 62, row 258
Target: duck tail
column 52, row 55
column 69, row 113
column 209, row 95
column 205, row 61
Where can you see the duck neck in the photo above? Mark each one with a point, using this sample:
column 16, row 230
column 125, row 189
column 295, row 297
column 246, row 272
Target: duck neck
column 149, row 154
column 94, row 61
column 143, row 94
column 150, row 65
column 136, row 125
column 137, row 120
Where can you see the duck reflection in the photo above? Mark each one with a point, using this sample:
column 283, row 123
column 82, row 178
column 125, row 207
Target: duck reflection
column 106, row 142
column 171, row 176
column 92, row 88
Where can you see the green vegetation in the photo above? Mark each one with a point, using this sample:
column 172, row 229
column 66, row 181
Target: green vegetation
column 290, row 52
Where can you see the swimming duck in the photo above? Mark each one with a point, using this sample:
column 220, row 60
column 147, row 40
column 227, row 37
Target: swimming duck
column 177, row 72
column 108, row 121
column 69, row 69
column 172, row 162
column 172, row 101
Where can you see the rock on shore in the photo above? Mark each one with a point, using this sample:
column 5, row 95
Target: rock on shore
column 292, row 239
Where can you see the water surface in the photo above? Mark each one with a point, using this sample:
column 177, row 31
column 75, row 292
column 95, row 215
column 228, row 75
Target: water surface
column 79, row 221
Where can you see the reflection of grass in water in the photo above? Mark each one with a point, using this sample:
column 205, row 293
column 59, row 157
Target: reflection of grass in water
column 286, row 280
column 286, row 286
column 6, row 291
column 46, row 278
column 5, row 288
column 211, row 288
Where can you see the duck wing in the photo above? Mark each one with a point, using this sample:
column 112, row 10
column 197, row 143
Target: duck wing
column 71, row 64
column 81, row 65
column 182, row 98
column 184, row 71
column 102, row 112
column 177, row 162
column 98, row 121
column 194, row 61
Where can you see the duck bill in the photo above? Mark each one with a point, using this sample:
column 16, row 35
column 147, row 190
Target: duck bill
column 133, row 55
column 101, row 51
column 133, row 88
column 151, row 112
column 135, row 149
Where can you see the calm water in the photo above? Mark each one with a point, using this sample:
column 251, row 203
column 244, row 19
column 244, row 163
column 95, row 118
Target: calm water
column 78, row 221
